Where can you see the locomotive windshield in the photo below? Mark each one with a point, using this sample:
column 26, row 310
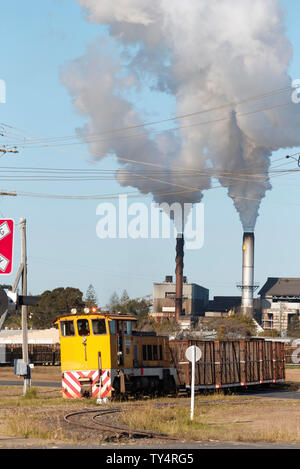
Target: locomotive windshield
column 98, row 326
column 67, row 328
column 83, row 327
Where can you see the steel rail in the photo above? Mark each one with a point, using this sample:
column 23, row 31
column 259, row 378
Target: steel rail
column 114, row 428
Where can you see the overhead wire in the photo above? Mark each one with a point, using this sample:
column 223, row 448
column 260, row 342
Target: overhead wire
column 135, row 194
column 163, row 169
column 85, row 140
column 174, row 118
column 49, row 175
column 176, row 172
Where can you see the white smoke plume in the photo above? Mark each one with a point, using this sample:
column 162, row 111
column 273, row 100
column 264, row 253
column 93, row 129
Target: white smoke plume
column 204, row 54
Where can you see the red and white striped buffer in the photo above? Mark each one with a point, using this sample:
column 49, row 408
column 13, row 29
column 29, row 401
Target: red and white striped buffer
column 72, row 383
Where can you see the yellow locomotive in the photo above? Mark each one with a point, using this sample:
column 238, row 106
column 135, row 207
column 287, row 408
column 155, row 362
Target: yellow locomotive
column 103, row 354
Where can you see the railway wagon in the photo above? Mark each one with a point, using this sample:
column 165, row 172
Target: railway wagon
column 102, row 355
column 230, row 363
column 39, row 354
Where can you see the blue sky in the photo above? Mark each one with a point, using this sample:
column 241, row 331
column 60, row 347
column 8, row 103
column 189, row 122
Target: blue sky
column 38, row 39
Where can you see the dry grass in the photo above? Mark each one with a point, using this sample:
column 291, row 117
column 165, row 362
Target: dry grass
column 217, row 417
column 39, row 373
column 41, row 425
column 293, row 375
column 222, row 418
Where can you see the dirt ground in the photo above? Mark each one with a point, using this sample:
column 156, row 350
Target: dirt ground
column 292, row 375
column 39, row 423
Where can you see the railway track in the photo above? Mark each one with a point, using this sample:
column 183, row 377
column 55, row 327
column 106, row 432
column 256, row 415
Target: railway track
column 95, row 423
column 92, row 419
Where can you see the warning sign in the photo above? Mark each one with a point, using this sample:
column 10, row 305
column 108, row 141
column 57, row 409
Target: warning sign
column 6, row 245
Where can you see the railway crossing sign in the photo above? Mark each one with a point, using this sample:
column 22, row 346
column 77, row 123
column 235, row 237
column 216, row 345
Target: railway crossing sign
column 6, row 246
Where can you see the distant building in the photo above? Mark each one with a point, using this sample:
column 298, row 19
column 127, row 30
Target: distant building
column 223, row 306
column 280, row 302
column 194, row 300
column 43, row 336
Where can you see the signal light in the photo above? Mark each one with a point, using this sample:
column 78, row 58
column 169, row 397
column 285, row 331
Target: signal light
column 94, row 309
column 30, row 315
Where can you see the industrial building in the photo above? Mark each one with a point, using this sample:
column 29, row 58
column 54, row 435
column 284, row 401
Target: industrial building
column 280, row 302
column 223, row 306
column 194, row 300
column 43, row 336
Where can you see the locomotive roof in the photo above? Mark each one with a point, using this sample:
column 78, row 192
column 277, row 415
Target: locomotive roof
column 98, row 313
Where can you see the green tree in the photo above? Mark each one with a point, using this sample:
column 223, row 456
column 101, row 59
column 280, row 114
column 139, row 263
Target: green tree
column 270, row 333
column 124, row 297
column 55, row 303
column 13, row 320
column 91, row 297
column 138, row 308
column 235, row 326
column 133, row 307
column 114, row 302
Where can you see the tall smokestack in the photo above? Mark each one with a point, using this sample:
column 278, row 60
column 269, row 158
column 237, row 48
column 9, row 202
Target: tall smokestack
column 179, row 275
column 248, row 274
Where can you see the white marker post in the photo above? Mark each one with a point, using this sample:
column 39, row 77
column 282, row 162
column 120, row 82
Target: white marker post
column 193, row 354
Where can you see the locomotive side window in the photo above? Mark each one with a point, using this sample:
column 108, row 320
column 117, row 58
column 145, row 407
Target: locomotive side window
column 67, row 328
column 152, row 352
column 112, row 326
column 98, row 326
column 129, row 327
column 83, row 327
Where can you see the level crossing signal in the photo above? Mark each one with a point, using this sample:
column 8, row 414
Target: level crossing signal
column 10, row 301
column 6, row 246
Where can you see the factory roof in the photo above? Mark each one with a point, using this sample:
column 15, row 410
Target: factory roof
column 173, row 284
column 276, row 286
column 223, row 303
column 226, row 303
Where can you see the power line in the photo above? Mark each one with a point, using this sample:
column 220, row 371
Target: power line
column 32, row 145
column 136, row 194
column 124, row 175
column 272, row 93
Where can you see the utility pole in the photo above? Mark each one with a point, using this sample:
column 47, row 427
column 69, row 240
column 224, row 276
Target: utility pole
column 10, row 300
column 24, row 309
column 11, row 194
